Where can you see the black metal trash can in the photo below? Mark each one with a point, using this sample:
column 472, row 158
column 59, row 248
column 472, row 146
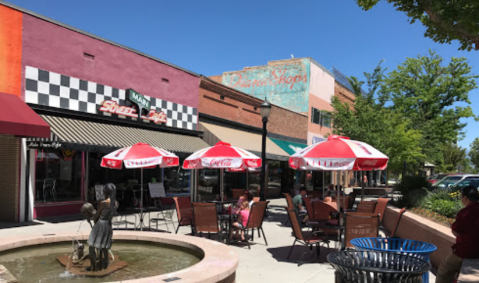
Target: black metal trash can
column 377, row 266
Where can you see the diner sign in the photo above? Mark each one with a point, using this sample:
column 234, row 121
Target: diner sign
column 35, row 144
column 111, row 106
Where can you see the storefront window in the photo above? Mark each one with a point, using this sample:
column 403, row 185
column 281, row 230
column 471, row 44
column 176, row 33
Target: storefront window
column 58, row 175
column 208, row 184
column 275, row 174
column 128, row 182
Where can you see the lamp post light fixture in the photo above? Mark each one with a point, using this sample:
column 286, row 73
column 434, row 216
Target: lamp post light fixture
column 265, row 110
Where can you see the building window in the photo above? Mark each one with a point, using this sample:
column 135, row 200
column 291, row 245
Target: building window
column 325, row 119
column 58, row 175
column 315, row 116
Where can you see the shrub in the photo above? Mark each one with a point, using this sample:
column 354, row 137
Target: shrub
column 411, row 183
column 413, row 198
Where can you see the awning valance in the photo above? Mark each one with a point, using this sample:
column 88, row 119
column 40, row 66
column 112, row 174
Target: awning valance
column 289, row 146
column 242, row 139
column 17, row 118
column 100, row 137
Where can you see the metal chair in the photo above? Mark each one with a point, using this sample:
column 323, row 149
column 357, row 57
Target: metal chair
column 360, row 225
column 205, row 219
column 255, row 220
column 289, row 203
column 166, row 213
column 121, row 219
column 366, row 206
column 184, row 213
column 393, row 232
column 237, row 193
column 381, row 207
column 309, row 239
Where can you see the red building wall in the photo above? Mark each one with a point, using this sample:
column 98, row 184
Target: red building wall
column 55, row 48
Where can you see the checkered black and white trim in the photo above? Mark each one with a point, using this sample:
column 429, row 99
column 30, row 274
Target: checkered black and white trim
column 65, row 92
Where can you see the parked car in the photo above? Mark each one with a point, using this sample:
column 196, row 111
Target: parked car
column 468, row 181
column 434, row 178
column 452, row 180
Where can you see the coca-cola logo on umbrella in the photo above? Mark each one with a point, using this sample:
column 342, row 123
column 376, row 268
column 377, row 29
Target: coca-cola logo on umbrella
column 252, row 163
column 112, row 163
column 193, row 163
column 370, row 162
column 220, row 162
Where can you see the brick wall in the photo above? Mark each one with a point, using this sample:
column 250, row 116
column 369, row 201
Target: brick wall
column 344, row 94
column 9, row 181
column 221, row 101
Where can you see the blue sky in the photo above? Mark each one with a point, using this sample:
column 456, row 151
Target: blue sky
column 211, row 37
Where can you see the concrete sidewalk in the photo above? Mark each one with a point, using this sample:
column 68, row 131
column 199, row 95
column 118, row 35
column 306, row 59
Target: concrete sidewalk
column 260, row 264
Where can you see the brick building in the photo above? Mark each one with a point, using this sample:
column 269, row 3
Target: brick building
column 233, row 116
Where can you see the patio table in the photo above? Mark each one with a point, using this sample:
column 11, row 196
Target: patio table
column 326, row 224
column 410, row 247
column 227, row 220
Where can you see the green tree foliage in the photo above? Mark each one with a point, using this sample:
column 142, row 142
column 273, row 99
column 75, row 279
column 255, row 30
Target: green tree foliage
column 411, row 113
column 474, row 153
column 370, row 121
column 425, row 90
column 453, row 156
column 445, row 20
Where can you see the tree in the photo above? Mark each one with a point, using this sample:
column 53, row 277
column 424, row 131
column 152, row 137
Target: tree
column 370, row 121
column 425, row 90
column 411, row 113
column 453, row 156
column 445, row 20
column 474, row 153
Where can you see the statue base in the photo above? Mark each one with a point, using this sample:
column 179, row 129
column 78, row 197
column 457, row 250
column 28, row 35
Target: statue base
column 80, row 269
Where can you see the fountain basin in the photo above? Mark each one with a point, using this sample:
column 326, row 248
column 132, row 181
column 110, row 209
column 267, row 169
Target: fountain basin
column 219, row 262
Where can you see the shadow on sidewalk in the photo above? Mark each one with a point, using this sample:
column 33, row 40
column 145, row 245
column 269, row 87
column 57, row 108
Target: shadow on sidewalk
column 281, row 254
column 7, row 225
column 62, row 219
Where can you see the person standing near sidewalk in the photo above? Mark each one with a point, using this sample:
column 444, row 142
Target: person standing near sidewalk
column 466, row 230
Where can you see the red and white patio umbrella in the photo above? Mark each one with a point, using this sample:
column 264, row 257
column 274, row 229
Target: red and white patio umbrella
column 339, row 153
column 222, row 156
column 140, row 155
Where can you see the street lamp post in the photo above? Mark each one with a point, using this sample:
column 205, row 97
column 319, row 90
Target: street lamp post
column 265, row 109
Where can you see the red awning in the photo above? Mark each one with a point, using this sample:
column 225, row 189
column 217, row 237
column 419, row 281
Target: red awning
column 17, row 118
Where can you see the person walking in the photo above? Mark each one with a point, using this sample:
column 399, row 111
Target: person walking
column 466, row 230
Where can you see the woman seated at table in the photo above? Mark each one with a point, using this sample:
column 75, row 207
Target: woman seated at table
column 243, row 216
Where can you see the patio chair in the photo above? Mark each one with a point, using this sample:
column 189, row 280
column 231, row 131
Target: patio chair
column 49, row 186
column 122, row 219
column 393, row 232
column 255, row 221
column 309, row 208
column 360, row 225
column 205, row 219
column 381, row 208
column 309, row 239
column 344, row 202
column 366, row 206
column 184, row 213
column 289, row 203
column 237, row 193
column 352, row 200
column 164, row 214
column 322, row 211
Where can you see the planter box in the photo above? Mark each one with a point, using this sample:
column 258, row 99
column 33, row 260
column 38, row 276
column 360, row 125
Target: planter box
column 418, row 228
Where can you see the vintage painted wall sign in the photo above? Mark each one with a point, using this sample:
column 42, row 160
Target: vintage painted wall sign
column 111, row 106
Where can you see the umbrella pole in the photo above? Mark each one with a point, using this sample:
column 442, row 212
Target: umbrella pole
column 323, row 185
column 221, row 183
column 338, row 199
column 247, row 180
column 362, row 185
column 141, row 202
